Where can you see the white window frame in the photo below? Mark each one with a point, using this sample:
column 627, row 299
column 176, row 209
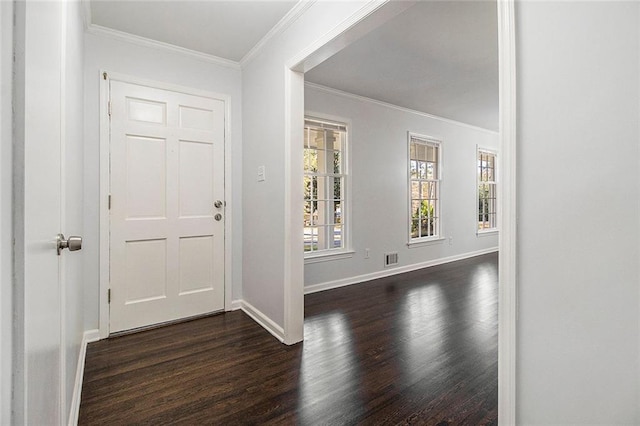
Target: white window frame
column 438, row 232
column 346, row 250
column 496, row 172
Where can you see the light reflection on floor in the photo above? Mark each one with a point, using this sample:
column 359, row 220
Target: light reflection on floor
column 328, row 363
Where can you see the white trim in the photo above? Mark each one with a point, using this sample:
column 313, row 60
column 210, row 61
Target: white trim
column 293, row 256
column 393, row 271
column 427, row 241
column 344, row 94
column 101, row 31
column 507, row 216
column 355, row 25
column 287, row 20
column 104, row 242
column 87, row 337
column 327, row 256
column 263, row 320
column 236, row 304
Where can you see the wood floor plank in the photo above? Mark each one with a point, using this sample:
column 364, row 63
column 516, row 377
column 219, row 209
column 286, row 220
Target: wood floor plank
column 416, row 348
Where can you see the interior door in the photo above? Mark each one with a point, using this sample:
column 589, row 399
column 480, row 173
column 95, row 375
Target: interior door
column 167, row 205
column 38, row 382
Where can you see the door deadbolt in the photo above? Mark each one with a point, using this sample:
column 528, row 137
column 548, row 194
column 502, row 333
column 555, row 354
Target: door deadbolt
column 74, row 243
column 217, row 204
column 218, row 217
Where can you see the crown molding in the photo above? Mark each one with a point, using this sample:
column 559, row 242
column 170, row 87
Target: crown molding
column 284, row 23
column 99, row 30
column 344, row 94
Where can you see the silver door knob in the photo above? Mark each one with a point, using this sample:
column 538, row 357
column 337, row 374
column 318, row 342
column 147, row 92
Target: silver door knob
column 217, row 204
column 218, row 217
column 73, row 243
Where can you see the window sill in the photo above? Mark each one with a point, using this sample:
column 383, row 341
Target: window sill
column 326, row 257
column 422, row 243
column 487, row 233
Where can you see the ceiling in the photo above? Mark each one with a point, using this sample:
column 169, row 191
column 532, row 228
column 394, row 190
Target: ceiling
column 437, row 57
column 227, row 29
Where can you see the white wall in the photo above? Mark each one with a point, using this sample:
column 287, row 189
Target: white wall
column 578, row 235
column 263, row 115
column 102, row 53
column 378, row 140
column 6, row 235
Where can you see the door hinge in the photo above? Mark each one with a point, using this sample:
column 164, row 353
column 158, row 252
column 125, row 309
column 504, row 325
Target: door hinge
column 109, row 108
column 109, row 296
column 104, row 75
column 109, row 202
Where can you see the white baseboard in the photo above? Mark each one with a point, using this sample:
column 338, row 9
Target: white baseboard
column 88, row 337
column 266, row 322
column 314, row 288
column 236, row 304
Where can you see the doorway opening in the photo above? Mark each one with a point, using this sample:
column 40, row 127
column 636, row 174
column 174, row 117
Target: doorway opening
column 333, row 43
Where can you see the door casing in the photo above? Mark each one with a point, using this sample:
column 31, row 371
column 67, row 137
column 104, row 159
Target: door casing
column 105, row 141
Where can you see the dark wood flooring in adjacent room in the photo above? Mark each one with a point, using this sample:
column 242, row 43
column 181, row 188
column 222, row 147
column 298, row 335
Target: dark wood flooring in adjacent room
column 417, row 348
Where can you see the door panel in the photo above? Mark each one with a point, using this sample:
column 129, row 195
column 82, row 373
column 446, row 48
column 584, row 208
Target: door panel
column 38, row 382
column 167, row 170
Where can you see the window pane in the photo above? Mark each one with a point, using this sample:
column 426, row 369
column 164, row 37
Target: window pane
column 412, row 151
column 337, row 162
column 413, row 165
column 337, row 237
column 308, row 209
column 429, row 190
column 414, row 229
column 337, row 188
column 323, row 243
column 310, row 160
column 306, row 181
column 426, row 227
column 337, row 212
column 430, row 170
column 422, row 170
column 320, row 214
column 310, row 239
column 415, row 209
column 314, row 138
column 422, row 152
column 415, row 189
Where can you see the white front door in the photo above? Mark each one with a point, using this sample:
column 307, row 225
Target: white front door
column 167, row 205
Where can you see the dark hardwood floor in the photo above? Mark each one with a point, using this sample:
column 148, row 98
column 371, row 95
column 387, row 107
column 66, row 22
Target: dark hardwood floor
column 417, row 348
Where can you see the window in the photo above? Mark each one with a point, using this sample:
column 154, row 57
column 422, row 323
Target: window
column 487, row 206
column 325, row 183
column 424, row 188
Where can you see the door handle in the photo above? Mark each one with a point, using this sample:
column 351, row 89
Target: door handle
column 218, row 204
column 73, row 243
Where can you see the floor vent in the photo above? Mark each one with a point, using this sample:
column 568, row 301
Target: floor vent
column 390, row 259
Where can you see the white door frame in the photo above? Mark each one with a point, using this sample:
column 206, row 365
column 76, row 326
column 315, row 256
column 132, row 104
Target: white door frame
column 330, row 44
column 105, row 141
